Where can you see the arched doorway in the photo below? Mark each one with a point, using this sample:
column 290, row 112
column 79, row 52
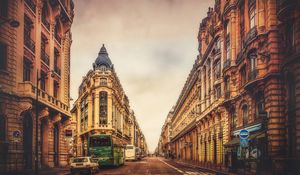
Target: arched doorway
column 56, row 144
column 27, row 139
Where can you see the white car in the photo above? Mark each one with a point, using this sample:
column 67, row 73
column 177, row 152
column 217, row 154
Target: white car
column 84, row 165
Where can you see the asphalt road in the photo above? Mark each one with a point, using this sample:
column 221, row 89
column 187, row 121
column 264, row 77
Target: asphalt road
column 152, row 166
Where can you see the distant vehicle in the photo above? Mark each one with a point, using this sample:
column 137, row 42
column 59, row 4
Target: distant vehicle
column 130, row 152
column 107, row 153
column 138, row 153
column 84, row 165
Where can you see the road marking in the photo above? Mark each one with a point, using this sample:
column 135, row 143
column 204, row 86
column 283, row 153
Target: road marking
column 171, row 166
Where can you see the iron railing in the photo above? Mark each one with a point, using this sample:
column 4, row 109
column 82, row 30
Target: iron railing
column 31, row 4
column 45, row 57
column 29, row 43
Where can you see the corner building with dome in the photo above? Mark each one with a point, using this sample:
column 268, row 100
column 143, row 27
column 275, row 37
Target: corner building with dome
column 102, row 107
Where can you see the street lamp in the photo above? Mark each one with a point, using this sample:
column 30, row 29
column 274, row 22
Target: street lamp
column 12, row 22
column 37, row 118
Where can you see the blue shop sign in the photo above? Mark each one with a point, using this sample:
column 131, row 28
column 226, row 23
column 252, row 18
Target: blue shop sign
column 244, row 134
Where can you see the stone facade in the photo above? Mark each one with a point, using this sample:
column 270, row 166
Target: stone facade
column 245, row 77
column 102, row 107
column 39, row 45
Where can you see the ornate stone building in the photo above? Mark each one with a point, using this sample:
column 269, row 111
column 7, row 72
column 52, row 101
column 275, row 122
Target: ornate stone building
column 35, row 39
column 102, row 107
column 245, row 77
column 165, row 136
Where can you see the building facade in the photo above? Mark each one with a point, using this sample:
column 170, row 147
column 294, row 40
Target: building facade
column 36, row 45
column 102, row 107
column 245, row 77
column 166, row 136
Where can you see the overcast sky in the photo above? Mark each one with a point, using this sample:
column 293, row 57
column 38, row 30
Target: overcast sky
column 152, row 44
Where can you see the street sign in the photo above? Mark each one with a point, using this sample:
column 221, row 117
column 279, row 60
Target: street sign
column 244, row 134
column 17, row 136
column 244, row 143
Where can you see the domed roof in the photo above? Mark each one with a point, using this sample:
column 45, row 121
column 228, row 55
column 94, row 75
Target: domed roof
column 103, row 59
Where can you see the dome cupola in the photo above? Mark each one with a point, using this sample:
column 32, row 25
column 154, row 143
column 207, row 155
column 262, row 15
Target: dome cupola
column 102, row 59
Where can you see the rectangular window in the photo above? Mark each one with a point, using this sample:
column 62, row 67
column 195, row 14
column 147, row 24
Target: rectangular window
column 43, row 81
column 55, row 89
column 243, row 76
column 26, row 70
column 3, row 56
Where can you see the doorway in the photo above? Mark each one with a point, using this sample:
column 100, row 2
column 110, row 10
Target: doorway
column 27, row 140
column 56, row 144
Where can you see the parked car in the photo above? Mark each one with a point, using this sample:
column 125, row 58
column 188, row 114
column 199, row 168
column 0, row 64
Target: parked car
column 138, row 153
column 84, row 165
column 130, row 152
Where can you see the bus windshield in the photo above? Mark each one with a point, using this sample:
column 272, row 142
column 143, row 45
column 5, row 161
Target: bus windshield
column 100, row 141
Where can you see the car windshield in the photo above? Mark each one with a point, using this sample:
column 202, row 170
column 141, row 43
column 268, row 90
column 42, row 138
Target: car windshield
column 129, row 147
column 80, row 160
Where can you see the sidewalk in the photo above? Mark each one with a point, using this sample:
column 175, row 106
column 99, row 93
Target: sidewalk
column 193, row 165
column 46, row 171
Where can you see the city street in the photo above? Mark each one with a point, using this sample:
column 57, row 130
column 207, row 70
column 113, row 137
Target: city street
column 152, row 165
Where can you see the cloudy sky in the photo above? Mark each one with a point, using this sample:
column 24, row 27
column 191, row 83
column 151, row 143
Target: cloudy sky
column 152, row 44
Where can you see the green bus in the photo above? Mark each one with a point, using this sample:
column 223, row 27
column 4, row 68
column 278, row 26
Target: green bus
column 101, row 147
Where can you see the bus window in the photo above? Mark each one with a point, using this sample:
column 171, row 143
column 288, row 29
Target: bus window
column 100, row 141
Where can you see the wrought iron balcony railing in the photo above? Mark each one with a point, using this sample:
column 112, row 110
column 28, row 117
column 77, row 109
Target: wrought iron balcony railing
column 31, row 4
column 57, row 38
column 46, row 23
column 57, row 70
column 45, row 57
column 250, row 36
column 29, row 43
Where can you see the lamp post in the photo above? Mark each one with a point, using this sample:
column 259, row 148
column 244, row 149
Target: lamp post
column 37, row 118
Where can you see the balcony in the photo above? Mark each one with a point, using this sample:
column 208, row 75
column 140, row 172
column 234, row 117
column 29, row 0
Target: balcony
column 239, row 57
column 30, row 44
column 57, row 38
column 45, row 57
column 28, row 90
column 31, row 4
column 57, row 70
column 251, row 35
column 46, row 23
column 226, row 64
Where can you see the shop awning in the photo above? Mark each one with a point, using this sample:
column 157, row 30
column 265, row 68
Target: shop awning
column 236, row 140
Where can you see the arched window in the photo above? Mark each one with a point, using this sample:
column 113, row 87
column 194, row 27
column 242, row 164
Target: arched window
column 103, row 107
column 252, row 9
column 2, row 128
column 245, row 114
